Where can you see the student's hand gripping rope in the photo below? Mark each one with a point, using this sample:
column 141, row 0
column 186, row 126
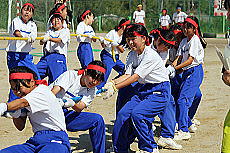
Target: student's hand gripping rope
column 3, row 108
column 171, row 71
column 111, row 90
column 70, row 102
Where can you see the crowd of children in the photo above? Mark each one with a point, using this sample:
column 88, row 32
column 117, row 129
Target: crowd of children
column 161, row 77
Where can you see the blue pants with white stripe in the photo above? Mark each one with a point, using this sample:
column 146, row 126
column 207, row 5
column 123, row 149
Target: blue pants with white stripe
column 107, row 59
column 43, row 142
column 15, row 59
column 85, row 54
column 140, row 111
column 191, row 81
column 88, row 121
column 52, row 65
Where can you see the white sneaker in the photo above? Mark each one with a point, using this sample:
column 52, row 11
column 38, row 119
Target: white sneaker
column 195, row 121
column 182, row 135
column 168, row 143
column 192, row 128
column 155, row 150
column 110, row 150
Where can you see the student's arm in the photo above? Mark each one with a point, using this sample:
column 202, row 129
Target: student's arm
column 185, row 63
column 78, row 107
column 121, row 78
column 17, row 33
column 17, row 104
column 56, row 40
column 56, row 89
column 226, row 77
column 120, row 48
column 127, row 81
column 20, row 122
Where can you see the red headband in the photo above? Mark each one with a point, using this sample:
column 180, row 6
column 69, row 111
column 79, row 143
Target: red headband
column 147, row 38
column 192, row 22
column 123, row 24
column 189, row 20
column 96, row 67
column 29, row 76
column 176, row 31
column 29, row 4
column 84, row 14
column 164, row 11
column 168, row 41
column 60, row 8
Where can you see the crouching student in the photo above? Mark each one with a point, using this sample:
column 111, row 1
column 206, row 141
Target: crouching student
column 55, row 47
column 145, row 66
column 83, row 83
column 44, row 112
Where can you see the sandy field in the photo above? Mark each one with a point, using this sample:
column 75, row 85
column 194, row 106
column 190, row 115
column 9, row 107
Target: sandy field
column 212, row 110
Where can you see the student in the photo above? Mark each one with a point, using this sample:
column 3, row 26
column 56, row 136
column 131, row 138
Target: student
column 55, row 47
column 18, row 50
column 145, row 66
column 106, row 53
column 165, row 20
column 139, row 15
column 191, row 53
column 84, row 51
column 165, row 40
column 179, row 16
column 83, row 83
column 43, row 110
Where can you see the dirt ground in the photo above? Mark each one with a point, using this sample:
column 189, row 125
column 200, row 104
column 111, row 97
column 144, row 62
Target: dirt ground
column 212, row 110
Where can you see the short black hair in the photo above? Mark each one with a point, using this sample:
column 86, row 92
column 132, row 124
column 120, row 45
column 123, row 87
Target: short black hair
column 22, row 69
column 97, row 75
column 227, row 4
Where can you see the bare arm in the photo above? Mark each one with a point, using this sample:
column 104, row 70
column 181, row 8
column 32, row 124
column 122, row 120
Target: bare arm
column 78, row 107
column 226, row 77
column 127, row 81
column 17, row 104
column 56, row 40
column 20, row 122
column 121, row 78
column 120, row 48
column 17, row 33
column 185, row 63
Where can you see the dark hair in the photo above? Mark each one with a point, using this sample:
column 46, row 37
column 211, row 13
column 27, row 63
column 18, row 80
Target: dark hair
column 97, row 75
column 79, row 18
column 167, row 35
column 180, row 35
column 203, row 42
column 22, row 69
column 56, row 16
column 226, row 4
column 54, row 10
column 129, row 32
column 120, row 23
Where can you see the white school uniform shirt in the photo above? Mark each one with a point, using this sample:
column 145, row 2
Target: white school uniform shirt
column 192, row 48
column 112, row 35
column 28, row 29
column 45, row 111
column 62, row 47
column 179, row 17
column 70, row 82
column 165, row 20
column 139, row 16
column 82, row 28
column 148, row 65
